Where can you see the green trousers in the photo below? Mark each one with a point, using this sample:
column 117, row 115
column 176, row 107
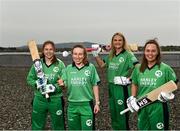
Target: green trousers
column 117, row 102
column 154, row 117
column 80, row 116
column 41, row 106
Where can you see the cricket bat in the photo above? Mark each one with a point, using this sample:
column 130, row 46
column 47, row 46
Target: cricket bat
column 153, row 95
column 37, row 64
column 133, row 47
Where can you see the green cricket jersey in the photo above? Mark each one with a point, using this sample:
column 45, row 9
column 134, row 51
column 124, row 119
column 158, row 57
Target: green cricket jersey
column 52, row 73
column 80, row 82
column 120, row 64
column 152, row 78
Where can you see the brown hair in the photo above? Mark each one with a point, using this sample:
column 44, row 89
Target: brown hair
column 85, row 60
column 125, row 46
column 53, row 45
column 144, row 63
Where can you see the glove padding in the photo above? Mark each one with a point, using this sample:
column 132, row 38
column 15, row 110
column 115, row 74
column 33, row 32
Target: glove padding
column 121, row 80
column 96, row 50
column 132, row 104
column 41, row 82
column 49, row 88
column 164, row 97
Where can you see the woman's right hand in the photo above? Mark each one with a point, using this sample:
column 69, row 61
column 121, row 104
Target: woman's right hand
column 60, row 82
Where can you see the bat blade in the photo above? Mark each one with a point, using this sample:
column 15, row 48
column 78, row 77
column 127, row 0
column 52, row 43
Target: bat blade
column 153, row 95
column 133, row 47
column 33, row 50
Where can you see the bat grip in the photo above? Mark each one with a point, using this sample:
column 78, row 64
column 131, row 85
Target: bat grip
column 47, row 96
column 124, row 111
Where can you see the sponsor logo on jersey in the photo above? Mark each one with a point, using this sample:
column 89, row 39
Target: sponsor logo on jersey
column 160, row 125
column 58, row 112
column 55, row 69
column 50, row 76
column 89, row 122
column 148, row 81
column 120, row 102
column 121, row 59
column 113, row 65
column 79, row 80
column 158, row 73
column 87, row 72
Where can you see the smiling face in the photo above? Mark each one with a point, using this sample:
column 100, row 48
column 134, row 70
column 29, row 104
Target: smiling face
column 48, row 51
column 78, row 55
column 117, row 42
column 151, row 53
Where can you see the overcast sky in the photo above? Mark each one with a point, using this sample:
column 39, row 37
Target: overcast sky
column 89, row 20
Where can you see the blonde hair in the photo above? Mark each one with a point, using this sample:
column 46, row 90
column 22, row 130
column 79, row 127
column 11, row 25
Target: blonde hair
column 125, row 46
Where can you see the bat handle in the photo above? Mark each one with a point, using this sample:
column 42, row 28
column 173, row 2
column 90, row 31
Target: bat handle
column 124, row 111
column 47, row 96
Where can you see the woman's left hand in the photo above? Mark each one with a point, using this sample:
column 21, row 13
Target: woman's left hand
column 96, row 108
column 60, row 82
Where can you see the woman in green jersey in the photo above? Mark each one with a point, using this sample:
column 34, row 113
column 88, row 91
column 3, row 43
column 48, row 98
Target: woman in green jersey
column 147, row 76
column 47, row 84
column 81, row 80
column 118, row 65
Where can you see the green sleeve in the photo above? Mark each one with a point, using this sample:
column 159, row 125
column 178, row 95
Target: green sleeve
column 132, row 60
column 134, row 75
column 60, row 72
column 31, row 78
column 64, row 76
column 94, row 77
column 106, row 60
column 170, row 74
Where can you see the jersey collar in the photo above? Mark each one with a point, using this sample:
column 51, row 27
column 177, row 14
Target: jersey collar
column 46, row 64
column 74, row 65
column 120, row 52
column 152, row 66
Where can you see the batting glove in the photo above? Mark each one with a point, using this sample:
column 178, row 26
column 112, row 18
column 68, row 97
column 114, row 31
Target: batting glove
column 41, row 82
column 132, row 104
column 49, row 88
column 121, row 80
column 164, row 97
column 96, row 50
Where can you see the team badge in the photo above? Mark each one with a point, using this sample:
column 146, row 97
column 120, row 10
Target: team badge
column 58, row 112
column 120, row 102
column 89, row 122
column 121, row 59
column 160, row 125
column 55, row 69
column 87, row 72
column 158, row 73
